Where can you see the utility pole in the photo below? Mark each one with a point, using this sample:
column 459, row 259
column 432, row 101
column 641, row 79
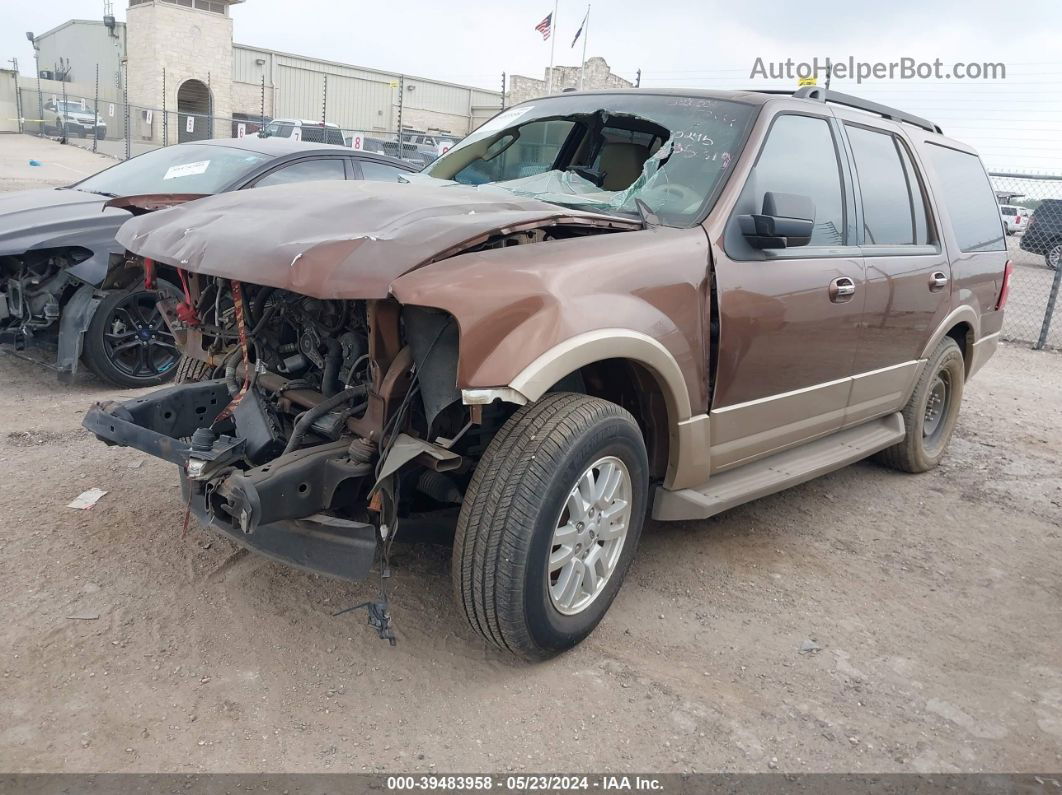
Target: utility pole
column 638, row 79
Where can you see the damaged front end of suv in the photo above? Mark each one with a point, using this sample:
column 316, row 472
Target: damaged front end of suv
column 335, row 412
column 373, row 352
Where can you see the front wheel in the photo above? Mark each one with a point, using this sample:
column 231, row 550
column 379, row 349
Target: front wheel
column 931, row 413
column 128, row 342
column 1053, row 257
column 550, row 524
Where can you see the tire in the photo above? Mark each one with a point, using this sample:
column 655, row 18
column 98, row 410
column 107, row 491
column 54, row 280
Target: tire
column 518, row 499
column 191, row 371
column 127, row 343
column 929, row 429
column 1053, row 256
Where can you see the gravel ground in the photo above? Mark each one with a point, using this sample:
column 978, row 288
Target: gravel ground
column 928, row 608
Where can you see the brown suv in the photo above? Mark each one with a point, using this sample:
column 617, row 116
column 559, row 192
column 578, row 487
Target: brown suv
column 597, row 306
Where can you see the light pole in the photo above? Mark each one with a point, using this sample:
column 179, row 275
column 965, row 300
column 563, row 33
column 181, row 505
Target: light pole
column 37, row 66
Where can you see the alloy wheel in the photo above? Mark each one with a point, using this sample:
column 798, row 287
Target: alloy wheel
column 137, row 341
column 589, row 535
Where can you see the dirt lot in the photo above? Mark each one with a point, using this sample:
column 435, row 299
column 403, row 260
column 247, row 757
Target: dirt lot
column 936, row 602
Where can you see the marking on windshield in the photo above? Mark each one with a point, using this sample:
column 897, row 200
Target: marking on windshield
column 187, row 169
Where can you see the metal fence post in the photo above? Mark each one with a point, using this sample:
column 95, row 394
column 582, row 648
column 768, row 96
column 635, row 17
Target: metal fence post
column 210, row 107
column 165, row 115
column 62, row 115
column 1052, row 298
column 40, row 95
column 503, row 98
column 324, row 98
column 18, row 99
column 401, row 102
column 126, row 114
column 96, row 111
column 262, row 125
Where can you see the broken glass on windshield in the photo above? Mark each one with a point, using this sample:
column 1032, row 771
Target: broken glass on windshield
column 606, row 152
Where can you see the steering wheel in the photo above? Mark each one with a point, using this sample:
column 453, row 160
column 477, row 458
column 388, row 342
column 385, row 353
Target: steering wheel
column 678, row 195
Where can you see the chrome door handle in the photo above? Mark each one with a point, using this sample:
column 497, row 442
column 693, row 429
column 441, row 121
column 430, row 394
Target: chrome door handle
column 842, row 289
column 938, row 281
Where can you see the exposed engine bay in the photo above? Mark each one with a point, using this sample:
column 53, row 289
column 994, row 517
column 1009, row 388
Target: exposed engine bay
column 32, row 289
column 320, row 425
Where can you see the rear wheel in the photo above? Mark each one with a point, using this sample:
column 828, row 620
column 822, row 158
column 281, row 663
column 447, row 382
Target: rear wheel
column 931, row 413
column 128, row 342
column 550, row 524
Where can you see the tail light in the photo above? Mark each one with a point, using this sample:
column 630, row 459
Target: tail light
column 1017, row 219
column 1004, row 291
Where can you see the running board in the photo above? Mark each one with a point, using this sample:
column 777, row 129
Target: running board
column 779, row 471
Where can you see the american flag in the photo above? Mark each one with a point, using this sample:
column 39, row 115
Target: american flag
column 545, row 27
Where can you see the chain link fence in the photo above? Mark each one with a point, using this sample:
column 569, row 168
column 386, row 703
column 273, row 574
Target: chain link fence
column 122, row 130
column 1030, row 206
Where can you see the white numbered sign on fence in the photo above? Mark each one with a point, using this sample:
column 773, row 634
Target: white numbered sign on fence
column 296, row 134
column 189, row 124
column 358, row 143
column 241, row 130
column 110, row 109
column 147, row 117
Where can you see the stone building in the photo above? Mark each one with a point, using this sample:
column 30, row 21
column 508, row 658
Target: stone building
column 179, row 56
column 597, row 75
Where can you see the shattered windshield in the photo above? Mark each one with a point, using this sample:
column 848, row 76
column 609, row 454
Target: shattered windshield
column 605, row 152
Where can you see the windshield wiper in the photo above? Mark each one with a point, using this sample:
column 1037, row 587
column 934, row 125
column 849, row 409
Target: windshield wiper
column 649, row 218
column 99, row 193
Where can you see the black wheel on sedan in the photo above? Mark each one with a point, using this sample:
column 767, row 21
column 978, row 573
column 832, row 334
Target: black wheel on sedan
column 128, row 342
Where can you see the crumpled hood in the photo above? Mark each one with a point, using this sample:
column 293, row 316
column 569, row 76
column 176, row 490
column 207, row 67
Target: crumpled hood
column 335, row 239
column 55, row 218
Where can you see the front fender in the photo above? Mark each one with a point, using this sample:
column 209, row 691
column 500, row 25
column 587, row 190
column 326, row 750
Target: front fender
column 73, row 323
column 527, row 312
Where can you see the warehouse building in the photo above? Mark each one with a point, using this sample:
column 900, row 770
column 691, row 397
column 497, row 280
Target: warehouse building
column 179, row 56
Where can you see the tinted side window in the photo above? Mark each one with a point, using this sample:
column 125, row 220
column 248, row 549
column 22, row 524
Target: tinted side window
column 379, row 172
column 800, row 157
column 963, row 185
column 893, row 212
column 923, row 229
column 1008, row 211
column 305, row 171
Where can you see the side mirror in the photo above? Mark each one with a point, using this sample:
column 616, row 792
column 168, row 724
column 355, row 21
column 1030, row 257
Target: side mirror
column 787, row 220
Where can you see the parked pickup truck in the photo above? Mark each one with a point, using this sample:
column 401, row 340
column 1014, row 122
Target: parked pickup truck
column 595, row 308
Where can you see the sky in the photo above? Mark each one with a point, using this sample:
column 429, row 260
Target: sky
column 1016, row 123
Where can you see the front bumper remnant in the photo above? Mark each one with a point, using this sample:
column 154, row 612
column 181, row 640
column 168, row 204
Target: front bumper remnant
column 277, row 509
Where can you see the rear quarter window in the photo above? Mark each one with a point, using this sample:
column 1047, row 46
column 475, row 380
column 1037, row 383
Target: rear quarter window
column 965, row 191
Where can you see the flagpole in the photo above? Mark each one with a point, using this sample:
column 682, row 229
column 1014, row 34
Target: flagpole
column 586, row 35
column 552, row 47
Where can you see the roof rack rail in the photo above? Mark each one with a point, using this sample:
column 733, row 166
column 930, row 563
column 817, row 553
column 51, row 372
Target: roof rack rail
column 824, row 95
